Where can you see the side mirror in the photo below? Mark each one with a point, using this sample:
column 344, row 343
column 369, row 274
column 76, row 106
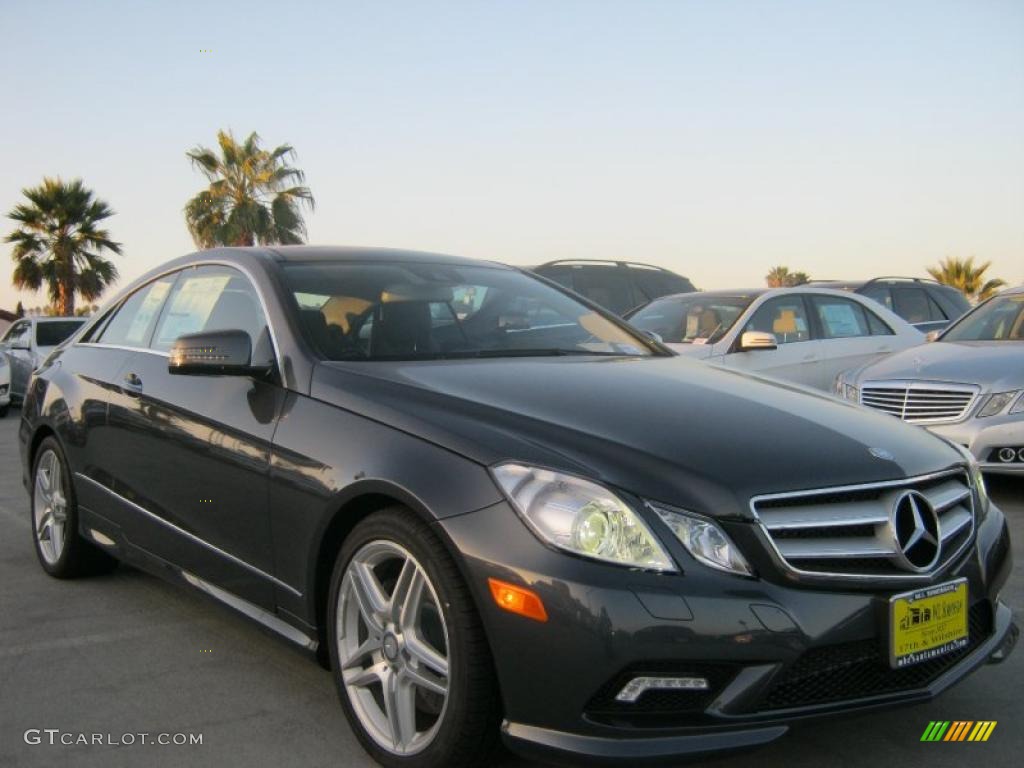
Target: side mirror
column 214, row 353
column 653, row 336
column 932, row 335
column 752, row 341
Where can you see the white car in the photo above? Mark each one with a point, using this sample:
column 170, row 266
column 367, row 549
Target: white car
column 5, row 385
column 27, row 343
column 805, row 335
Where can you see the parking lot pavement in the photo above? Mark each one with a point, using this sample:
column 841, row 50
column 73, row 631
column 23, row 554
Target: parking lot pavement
column 128, row 654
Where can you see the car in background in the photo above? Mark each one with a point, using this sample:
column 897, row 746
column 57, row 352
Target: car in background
column 967, row 386
column 925, row 304
column 5, row 386
column 618, row 286
column 805, row 334
column 27, row 343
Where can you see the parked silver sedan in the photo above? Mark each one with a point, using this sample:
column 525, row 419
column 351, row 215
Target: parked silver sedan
column 27, row 343
column 805, row 334
column 967, row 386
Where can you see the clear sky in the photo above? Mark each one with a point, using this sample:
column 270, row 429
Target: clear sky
column 715, row 137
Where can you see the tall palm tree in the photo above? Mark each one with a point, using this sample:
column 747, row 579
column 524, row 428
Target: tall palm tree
column 59, row 242
column 781, row 277
column 969, row 279
column 254, row 195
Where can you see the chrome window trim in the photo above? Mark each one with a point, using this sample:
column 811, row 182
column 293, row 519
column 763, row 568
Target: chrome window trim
column 828, row 576
column 190, row 536
column 246, row 272
column 910, row 384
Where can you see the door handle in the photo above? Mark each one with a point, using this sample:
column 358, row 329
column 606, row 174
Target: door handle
column 133, row 382
column 808, row 358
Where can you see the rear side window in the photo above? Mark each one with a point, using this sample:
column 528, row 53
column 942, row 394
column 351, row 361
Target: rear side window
column 132, row 322
column 785, row 317
column 654, row 283
column 52, row 334
column 912, row 304
column 880, row 293
column 607, row 285
column 841, row 318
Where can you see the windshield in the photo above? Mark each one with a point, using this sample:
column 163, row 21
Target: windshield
column 411, row 311
column 53, row 333
column 691, row 319
column 999, row 319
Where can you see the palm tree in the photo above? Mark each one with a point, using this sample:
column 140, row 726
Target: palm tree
column 59, row 242
column 969, row 279
column 254, row 196
column 781, row 277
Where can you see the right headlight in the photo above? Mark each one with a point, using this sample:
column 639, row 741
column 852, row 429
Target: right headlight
column 581, row 517
column 705, row 540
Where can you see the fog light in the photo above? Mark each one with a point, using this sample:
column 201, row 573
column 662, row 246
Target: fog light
column 1020, row 455
column 636, row 687
column 1006, row 455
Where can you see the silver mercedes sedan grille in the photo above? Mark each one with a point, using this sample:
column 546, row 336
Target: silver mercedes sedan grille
column 919, row 401
column 899, row 530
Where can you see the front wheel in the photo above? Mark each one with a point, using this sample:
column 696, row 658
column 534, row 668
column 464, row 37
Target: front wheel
column 412, row 665
column 4, row 409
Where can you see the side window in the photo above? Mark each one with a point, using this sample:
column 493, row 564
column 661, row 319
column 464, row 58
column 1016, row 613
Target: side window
column 607, row 285
column 937, row 312
column 877, row 325
column 132, row 322
column 211, row 298
column 17, row 332
column 879, row 292
column 785, row 316
column 911, row 303
column 841, row 318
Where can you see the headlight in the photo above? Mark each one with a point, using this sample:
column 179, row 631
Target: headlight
column 705, row 540
column 1018, row 407
column 581, row 517
column 977, row 479
column 851, row 393
column 996, row 403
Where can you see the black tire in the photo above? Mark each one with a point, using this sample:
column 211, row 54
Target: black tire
column 469, row 730
column 78, row 557
column 4, row 410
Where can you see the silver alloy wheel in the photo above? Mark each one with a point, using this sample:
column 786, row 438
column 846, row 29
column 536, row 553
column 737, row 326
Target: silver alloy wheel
column 393, row 647
column 50, row 507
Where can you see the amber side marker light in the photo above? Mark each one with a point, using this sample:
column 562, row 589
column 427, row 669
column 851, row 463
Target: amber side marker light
column 519, row 600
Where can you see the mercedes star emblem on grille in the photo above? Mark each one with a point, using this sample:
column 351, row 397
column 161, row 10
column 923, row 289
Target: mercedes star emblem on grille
column 916, row 528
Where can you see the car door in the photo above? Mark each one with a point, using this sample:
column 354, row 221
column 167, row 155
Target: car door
column 194, row 450
column 17, row 346
column 797, row 355
column 851, row 335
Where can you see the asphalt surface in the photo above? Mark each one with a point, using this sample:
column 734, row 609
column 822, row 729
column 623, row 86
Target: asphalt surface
column 129, row 654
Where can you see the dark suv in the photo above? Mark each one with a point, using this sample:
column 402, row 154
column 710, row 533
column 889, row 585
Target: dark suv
column 616, row 285
column 494, row 508
column 925, row 304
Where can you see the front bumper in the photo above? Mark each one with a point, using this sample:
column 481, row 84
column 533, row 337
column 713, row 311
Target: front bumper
column 774, row 650
column 983, row 436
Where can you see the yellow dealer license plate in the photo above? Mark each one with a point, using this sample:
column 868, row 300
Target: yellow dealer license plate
column 927, row 623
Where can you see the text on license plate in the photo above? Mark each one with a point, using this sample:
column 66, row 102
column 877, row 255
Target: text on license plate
column 927, row 623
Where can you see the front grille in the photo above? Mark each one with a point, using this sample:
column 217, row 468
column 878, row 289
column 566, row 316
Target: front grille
column 919, row 402
column 849, row 533
column 861, row 669
column 657, row 708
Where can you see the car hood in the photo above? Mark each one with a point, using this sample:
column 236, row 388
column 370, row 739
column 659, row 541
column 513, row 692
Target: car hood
column 666, row 429
column 994, row 365
column 693, row 351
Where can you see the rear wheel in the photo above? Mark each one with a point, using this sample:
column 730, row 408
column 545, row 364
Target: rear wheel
column 410, row 660
column 62, row 552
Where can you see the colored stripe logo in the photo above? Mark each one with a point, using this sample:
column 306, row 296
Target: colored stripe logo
column 958, row 730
